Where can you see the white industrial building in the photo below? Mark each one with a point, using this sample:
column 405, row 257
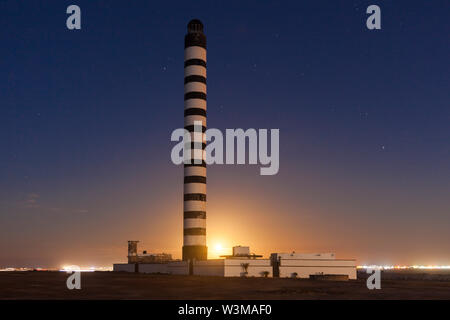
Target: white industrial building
column 305, row 265
column 243, row 264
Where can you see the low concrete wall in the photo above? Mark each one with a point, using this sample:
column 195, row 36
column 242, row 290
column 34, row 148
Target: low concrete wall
column 175, row 267
column 233, row 267
column 329, row 277
column 124, row 267
column 256, row 267
column 209, row 268
column 215, row 267
column 153, row 268
column 178, row 267
column 303, row 268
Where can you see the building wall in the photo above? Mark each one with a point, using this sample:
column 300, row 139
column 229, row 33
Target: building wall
column 317, row 262
column 178, row 267
column 209, row 268
column 153, row 268
column 234, row 268
column 175, row 267
column 305, row 255
column 306, row 267
column 124, row 267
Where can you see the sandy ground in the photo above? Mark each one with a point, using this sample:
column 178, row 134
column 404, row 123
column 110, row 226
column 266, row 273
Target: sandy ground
column 118, row 285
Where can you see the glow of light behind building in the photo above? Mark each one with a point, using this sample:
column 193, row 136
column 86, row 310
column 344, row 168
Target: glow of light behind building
column 218, row 249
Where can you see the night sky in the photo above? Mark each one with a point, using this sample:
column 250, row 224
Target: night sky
column 86, row 118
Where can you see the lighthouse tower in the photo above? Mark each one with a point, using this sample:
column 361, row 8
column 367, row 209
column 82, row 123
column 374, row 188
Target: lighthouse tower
column 194, row 215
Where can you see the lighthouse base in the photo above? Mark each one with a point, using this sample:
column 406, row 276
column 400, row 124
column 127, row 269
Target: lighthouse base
column 195, row 252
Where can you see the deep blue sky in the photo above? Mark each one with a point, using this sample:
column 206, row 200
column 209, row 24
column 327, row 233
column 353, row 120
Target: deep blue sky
column 86, row 118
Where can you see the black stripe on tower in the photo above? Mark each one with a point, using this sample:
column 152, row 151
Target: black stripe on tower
column 194, row 232
column 195, row 112
column 196, row 145
column 195, row 62
column 195, row 39
column 190, row 128
column 195, row 78
column 194, row 179
column 193, row 164
column 195, row 252
column 194, row 197
column 195, row 215
column 195, row 95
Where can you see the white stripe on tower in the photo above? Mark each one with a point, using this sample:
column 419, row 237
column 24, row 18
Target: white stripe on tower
column 194, row 226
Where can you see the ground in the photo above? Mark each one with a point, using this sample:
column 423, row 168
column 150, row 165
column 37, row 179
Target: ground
column 118, row 285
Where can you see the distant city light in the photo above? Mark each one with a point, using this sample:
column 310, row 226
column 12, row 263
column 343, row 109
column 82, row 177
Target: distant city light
column 64, row 268
column 386, row 267
column 83, row 269
column 24, row 269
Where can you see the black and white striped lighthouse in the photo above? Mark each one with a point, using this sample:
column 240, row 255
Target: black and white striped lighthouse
column 194, row 226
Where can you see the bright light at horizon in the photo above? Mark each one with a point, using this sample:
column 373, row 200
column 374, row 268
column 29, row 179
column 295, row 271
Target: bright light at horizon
column 71, row 268
column 387, row 267
column 218, row 249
